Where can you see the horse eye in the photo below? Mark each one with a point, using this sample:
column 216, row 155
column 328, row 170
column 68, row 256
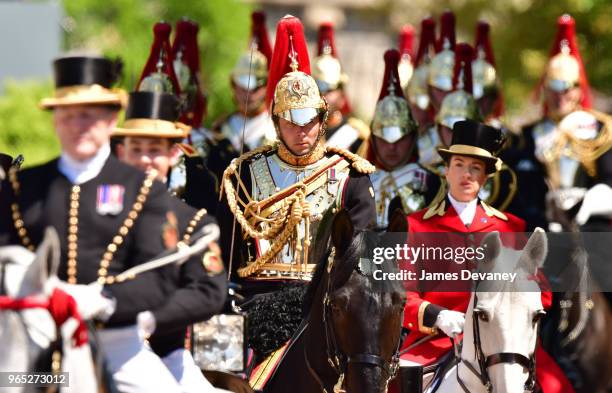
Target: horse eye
column 538, row 315
column 482, row 315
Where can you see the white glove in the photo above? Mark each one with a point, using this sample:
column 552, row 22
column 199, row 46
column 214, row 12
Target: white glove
column 450, row 322
column 596, row 202
column 146, row 323
column 90, row 301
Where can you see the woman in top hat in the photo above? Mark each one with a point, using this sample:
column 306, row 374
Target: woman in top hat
column 469, row 159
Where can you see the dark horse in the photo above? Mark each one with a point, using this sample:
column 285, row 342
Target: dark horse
column 578, row 331
column 351, row 336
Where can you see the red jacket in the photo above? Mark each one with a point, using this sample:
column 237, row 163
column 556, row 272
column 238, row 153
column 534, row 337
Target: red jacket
column 422, row 308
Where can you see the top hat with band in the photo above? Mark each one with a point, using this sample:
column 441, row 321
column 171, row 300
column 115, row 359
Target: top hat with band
column 85, row 80
column 478, row 140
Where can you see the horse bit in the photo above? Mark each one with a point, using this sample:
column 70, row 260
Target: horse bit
column 484, row 362
column 335, row 357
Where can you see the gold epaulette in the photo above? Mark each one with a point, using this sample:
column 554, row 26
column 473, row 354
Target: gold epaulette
column 188, row 150
column 362, row 128
column 358, row 163
column 491, row 211
column 438, row 204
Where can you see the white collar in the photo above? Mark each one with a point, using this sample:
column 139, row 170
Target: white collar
column 79, row 172
column 465, row 210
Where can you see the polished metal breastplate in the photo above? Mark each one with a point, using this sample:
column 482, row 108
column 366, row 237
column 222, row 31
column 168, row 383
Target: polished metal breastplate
column 269, row 175
column 408, row 182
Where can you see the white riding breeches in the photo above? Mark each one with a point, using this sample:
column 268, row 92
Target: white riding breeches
column 134, row 366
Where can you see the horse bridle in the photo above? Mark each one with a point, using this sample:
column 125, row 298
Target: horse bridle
column 338, row 360
column 484, row 362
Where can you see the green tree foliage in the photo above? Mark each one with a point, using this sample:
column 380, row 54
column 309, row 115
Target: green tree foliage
column 125, row 28
column 522, row 33
column 26, row 129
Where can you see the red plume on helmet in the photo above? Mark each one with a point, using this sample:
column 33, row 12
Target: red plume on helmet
column 427, row 39
column 566, row 31
column 447, row 31
column 326, row 39
column 259, row 34
column 186, row 43
column 463, row 67
column 161, row 53
column 483, row 41
column 391, row 81
column 406, row 41
column 290, row 41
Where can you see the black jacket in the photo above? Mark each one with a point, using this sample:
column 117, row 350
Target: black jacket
column 197, row 293
column 44, row 201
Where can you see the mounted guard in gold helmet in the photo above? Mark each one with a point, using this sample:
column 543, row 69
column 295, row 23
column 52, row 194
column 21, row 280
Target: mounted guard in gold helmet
column 277, row 194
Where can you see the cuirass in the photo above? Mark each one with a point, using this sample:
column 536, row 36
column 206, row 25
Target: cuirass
column 408, row 182
column 270, row 175
column 428, row 142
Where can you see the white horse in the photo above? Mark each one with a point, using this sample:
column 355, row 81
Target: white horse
column 501, row 323
column 26, row 332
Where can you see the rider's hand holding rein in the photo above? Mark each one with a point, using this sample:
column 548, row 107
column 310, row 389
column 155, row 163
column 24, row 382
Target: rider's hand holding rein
column 91, row 302
column 450, row 322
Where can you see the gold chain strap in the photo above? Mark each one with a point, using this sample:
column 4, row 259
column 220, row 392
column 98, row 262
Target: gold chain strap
column 17, row 218
column 73, row 232
column 192, row 224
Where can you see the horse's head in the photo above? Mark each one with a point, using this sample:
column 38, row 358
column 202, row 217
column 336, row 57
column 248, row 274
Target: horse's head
column 24, row 333
column 361, row 320
column 24, row 273
column 502, row 320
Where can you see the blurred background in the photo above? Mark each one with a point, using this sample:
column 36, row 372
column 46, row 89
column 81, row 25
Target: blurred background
column 32, row 33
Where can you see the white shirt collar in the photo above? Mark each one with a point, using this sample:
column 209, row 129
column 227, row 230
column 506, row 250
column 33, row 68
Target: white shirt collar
column 79, row 172
column 465, row 210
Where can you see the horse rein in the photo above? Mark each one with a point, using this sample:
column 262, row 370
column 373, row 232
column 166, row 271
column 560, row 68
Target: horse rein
column 335, row 357
column 484, row 362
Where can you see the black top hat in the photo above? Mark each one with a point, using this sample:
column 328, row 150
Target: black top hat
column 85, row 80
column 474, row 139
column 152, row 114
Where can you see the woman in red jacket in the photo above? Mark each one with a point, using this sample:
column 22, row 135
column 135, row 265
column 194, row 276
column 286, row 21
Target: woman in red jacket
column 460, row 213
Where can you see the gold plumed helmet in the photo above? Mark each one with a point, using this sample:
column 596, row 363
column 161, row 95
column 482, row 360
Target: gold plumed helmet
column 483, row 66
column 405, row 66
column 296, row 96
column 326, row 69
column 460, row 104
column 416, row 90
column 251, row 70
column 392, row 117
column 443, row 63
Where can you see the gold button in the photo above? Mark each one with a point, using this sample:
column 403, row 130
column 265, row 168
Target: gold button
column 72, row 246
column 73, row 230
column 410, row 325
column 72, row 238
column 112, row 248
column 102, row 271
column 72, row 254
column 108, row 256
column 138, row 206
column 123, row 231
column 72, row 271
column 117, row 240
column 72, row 280
column 73, row 220
column 141, row 198
column 22, row 232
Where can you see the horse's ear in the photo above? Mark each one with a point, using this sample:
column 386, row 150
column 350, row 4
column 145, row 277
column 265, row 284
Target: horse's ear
column 535, row 251
column 48, row 254
column 398, row 222
column 342, row 231
column 492, row 246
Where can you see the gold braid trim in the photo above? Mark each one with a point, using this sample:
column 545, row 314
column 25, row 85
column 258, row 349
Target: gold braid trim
column 293, row 209
column 360, row 164
column 585, row 151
